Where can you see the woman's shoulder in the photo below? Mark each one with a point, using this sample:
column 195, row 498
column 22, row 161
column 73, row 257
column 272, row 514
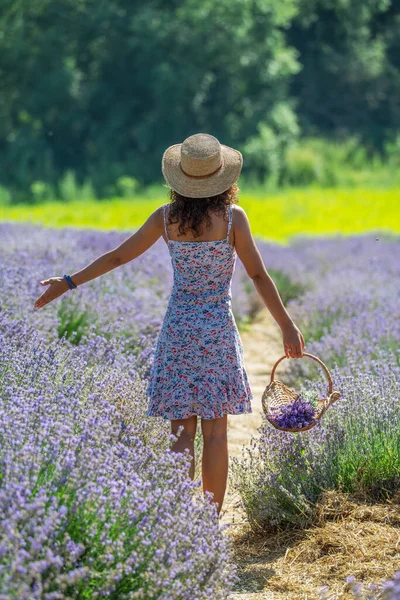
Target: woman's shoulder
column 239, row 212
column 240, row 220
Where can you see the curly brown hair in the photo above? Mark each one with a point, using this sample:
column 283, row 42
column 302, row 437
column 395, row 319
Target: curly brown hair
column 191, row 212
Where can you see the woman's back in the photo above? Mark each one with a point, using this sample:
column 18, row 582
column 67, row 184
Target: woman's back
column 213, row 230
column 203, row 269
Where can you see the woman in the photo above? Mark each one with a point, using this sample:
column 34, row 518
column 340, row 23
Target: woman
column 198, row 368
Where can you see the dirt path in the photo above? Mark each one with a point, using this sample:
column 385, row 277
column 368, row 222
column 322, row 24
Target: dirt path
column 262, row 344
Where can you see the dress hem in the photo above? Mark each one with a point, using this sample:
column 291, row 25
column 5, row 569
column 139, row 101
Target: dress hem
column 247, row 410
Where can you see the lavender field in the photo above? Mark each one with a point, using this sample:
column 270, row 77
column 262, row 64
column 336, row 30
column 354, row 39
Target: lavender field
column 92, row 503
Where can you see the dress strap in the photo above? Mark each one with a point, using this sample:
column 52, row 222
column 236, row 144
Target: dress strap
column 165, row 223
column 230, row 220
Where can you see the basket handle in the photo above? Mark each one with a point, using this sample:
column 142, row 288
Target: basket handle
column 330, row 388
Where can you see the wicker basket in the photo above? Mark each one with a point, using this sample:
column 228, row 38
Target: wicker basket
column 276, row 395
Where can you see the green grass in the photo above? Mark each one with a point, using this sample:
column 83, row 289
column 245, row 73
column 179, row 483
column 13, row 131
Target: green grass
column 277, row 216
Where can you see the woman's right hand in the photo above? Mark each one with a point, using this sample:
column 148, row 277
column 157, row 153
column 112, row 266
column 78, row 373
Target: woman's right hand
column 58, row 286
column 293, row 341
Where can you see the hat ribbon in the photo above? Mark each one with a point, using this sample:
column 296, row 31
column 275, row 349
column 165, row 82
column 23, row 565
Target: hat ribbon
column 202, row 176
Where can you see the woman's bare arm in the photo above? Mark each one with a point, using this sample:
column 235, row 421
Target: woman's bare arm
column 252, row 261
column 131, row 248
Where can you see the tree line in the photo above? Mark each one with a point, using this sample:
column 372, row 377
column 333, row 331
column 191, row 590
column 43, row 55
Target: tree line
column 101, row 88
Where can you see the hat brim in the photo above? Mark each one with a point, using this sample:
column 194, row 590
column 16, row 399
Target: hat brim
column 201, row 188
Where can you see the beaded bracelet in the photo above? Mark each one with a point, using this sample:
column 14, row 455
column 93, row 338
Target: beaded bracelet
column 71, row 284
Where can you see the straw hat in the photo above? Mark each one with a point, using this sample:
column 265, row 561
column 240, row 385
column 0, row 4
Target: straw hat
column 201, row 167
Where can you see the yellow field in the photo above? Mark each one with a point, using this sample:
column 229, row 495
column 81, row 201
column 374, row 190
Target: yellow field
column 277, row 217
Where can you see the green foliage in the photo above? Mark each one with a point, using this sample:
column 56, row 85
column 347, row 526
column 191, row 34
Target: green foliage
column 265, row 151
column 350, row 55
column 288, row 289
column 303, row 166
column 111, row 85
column 392, row 150
column 243, row 323
column 5, row 196
column 42, row 191
column 74, row 323
column 90, row 110
column 127, row 186
column 376, row 473
column 330, row 163
column 70, row 190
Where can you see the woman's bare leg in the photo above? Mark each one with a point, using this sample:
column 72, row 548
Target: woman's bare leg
column 215, row 458
column 186, row 438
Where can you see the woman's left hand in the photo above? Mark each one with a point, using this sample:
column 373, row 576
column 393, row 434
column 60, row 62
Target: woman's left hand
column 58, row 286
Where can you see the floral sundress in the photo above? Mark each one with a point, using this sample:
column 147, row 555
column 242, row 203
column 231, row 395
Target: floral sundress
column 198, row 366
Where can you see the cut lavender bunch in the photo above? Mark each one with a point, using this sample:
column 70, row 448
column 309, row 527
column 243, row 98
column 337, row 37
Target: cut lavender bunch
column 297, row 414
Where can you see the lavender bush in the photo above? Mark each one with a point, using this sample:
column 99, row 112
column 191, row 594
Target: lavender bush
column 126, row 304
column 92, row 502
column 385, row 590
column 350, row 319
column 351, row 311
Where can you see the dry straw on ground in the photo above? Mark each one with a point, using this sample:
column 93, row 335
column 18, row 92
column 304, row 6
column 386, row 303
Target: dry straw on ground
column 348, row 537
